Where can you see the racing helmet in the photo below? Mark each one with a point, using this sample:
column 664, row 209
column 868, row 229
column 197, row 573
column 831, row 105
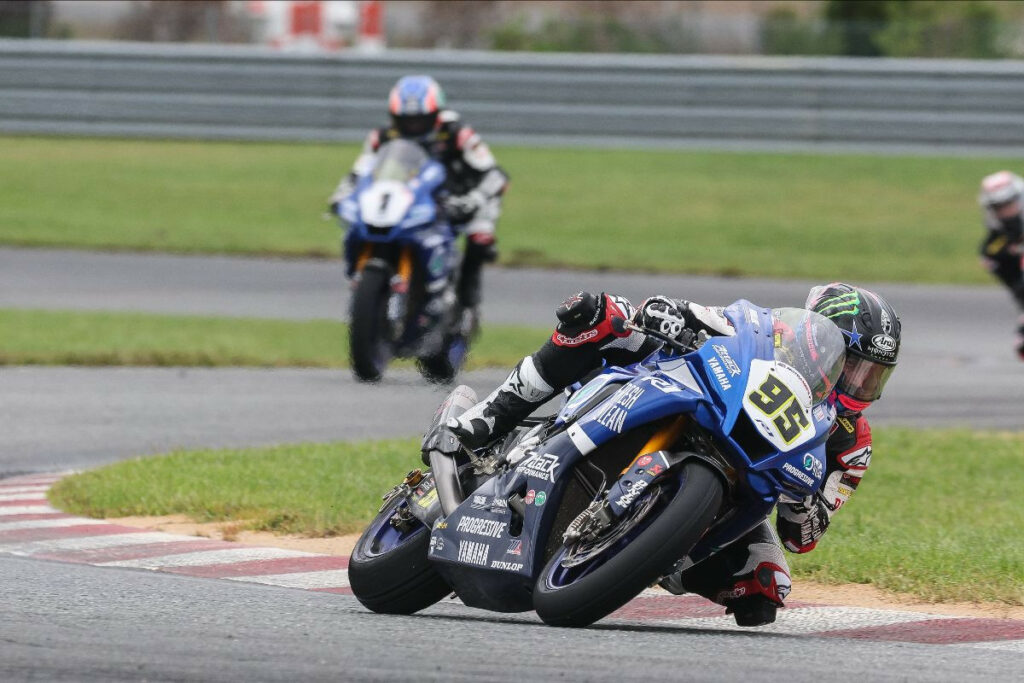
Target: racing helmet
column 1001, row 194
column 414, row 103
column 872, row 331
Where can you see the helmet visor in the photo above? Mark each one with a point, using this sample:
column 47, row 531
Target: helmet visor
column 414, row 125
column 863, row 379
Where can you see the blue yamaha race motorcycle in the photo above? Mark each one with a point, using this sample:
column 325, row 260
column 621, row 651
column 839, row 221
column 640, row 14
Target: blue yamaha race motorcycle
column 575, row 514
column 400, row 253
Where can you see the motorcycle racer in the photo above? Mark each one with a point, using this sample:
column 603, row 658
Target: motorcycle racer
column 750, row 577
column 474, row 185
column 1002, row 250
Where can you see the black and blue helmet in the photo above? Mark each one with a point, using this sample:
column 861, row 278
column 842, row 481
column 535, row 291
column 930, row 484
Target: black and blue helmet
column 872, row 332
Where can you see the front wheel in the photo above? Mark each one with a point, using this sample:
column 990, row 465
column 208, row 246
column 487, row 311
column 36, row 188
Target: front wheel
column 368, row 325
column 389, row 571
column 578, row 586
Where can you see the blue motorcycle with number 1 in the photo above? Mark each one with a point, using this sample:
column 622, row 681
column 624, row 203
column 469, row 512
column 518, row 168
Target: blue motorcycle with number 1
column 400, row 253
column 575, row 514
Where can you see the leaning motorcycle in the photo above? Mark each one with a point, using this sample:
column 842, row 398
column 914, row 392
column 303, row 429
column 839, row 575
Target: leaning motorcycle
column 643, row 466
column 400, row 253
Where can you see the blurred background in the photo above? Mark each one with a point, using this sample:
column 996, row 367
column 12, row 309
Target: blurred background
column 872, row 28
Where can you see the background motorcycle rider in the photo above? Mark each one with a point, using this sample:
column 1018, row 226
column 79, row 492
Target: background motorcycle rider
column 474, row 184
column 750, row 577
column 1002, row 250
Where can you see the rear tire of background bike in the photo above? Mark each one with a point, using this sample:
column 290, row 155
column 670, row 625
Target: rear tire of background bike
column 368, row 325
column 401, row 581
column 668, row 538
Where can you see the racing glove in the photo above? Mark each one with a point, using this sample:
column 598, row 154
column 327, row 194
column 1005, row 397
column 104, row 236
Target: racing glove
column 345, row 188
column 461, row 207
column 800, row 524
column 664, row 315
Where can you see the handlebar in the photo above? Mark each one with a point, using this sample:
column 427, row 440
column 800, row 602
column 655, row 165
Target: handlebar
column 620, row 325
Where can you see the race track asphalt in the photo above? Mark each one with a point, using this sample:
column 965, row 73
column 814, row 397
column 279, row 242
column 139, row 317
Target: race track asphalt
column 66, row 622
column 956, row 368
column 76, row 622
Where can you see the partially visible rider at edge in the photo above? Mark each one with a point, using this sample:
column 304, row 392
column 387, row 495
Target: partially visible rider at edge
column 474, row 185
column 1002, row 250
column 750, row 577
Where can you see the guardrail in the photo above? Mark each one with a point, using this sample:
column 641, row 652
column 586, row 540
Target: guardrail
column 175, row 91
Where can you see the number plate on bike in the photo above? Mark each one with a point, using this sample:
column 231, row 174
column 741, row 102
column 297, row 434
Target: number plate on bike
column 778, row 401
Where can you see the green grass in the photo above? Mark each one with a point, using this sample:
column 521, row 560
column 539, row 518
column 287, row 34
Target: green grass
column 30, row 337
column 310, row 489
column 787, row 215
column 938, row 515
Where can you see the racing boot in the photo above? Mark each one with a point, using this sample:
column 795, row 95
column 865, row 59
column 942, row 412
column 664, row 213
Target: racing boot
column 756, row 577
column 477, row 254
column 758, row 596
column 498, row 414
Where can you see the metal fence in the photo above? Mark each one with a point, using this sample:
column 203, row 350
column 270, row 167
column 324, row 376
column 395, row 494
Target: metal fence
column 186, row 91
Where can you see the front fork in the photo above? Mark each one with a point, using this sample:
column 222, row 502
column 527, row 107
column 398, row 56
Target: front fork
column 650, row 463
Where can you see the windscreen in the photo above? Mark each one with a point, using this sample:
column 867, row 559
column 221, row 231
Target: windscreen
column 399, row 160
column 812, row 345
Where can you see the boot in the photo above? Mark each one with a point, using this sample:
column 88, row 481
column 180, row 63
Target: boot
column 472, row 269
column 498, row 414
column 753, row 610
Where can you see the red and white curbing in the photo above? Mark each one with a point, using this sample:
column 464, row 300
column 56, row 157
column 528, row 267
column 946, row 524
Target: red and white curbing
column 30, row 527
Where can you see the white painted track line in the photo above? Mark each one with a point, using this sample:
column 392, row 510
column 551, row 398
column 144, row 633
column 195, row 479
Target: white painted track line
column 800, row 620
column 332, row 578
column 90, row 543
column 208, row 557
column 47, row 523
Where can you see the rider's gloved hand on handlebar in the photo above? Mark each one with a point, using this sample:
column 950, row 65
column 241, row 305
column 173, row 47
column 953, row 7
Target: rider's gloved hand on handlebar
column 345, row 188
column 664, row 315
column 461, row 207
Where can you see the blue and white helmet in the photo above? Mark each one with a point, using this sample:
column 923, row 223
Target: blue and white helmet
column 414, row 104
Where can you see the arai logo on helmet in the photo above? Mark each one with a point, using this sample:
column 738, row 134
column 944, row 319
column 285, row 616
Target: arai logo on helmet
column 884, row 342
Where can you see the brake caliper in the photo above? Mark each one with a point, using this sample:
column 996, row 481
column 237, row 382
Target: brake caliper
column 402, row 516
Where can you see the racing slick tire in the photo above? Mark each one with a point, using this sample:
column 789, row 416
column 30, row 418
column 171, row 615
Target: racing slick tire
column 632, row 567
column 394, row 576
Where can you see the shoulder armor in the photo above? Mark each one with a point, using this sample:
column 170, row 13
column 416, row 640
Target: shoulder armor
column 448, row 116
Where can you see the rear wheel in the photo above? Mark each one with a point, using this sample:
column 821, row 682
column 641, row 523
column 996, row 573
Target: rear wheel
column 581, row 584
column 389, row 571
column 368, row 327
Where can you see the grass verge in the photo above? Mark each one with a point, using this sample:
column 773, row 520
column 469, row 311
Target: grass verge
column 783, row 215
column 936, row 516
column 308, row 489
column 32, row 337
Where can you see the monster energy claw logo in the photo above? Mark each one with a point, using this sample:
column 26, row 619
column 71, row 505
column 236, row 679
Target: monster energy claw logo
column 844, row 304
